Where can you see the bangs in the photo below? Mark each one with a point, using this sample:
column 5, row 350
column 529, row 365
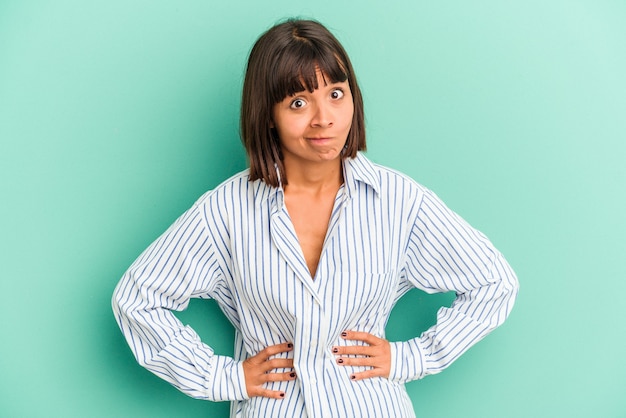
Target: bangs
column 295, row 69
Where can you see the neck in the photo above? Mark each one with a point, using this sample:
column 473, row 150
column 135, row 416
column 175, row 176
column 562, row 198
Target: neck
column 314, row 177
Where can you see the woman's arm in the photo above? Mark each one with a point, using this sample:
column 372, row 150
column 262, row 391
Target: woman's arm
column 181, row 264
column 446, row 254
column 443, row 254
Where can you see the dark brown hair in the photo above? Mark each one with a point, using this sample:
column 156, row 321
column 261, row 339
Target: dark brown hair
column 283, row 61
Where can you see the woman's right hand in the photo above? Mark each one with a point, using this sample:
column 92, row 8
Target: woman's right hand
column 257, row 369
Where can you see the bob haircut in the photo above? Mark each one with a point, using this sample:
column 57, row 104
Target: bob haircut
column 283, row 62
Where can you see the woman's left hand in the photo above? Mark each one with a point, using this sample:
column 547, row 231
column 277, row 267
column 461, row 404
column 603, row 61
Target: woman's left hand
column 376, row 355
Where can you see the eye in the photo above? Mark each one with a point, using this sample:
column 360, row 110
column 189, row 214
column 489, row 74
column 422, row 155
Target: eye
column 336, row 94
column 297, row 104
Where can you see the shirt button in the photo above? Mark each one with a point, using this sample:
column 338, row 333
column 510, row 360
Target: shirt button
column 313, row 381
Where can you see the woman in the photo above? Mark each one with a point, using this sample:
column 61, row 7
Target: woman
column 306, row 253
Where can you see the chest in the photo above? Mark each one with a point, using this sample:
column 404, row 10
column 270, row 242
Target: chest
column 310, row 217
column 357, row 246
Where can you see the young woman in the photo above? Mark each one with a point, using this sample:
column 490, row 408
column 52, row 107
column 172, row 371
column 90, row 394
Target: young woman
column 306, row 253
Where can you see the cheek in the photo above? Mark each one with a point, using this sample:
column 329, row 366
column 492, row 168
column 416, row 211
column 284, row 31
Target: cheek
column 291, row 126
column 284, row 130
column 349, row 116
column 278, row 124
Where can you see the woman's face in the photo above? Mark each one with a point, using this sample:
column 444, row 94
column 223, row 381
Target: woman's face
column 313, row 127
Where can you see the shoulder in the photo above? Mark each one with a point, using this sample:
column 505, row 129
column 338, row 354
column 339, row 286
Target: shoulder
column 229, row 201
column 235, row 198
column 390, row 182
column 233, row 187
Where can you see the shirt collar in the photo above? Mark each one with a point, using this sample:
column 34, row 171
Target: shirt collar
column 355, row 170
column 360, row 170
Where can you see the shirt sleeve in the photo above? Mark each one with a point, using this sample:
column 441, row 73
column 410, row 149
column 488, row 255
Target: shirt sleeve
column 444, row 254
column 181, row 264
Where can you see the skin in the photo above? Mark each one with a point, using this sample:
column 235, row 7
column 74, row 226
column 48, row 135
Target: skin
column 312, row 128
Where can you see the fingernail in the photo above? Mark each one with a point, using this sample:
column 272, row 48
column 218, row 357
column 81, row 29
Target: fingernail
column 282, row 395
column 344, row 334
column 289, row 345
column 335, row 350
column 340, row 361
column 292, row 374
column 353, row 377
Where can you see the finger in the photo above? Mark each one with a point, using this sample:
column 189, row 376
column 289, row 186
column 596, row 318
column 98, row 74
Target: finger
column 270, row 351
column 359, row 350
column 279, row 377
column 266, row 393
column 360, row 336
column 367, row 374
column 357, row 361
column 277, row 363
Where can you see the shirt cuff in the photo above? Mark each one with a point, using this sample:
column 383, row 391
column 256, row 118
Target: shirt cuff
column 407, row 361
column 228, row 382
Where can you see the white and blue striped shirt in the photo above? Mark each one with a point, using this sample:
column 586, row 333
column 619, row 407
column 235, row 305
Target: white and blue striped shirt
column 237, row 245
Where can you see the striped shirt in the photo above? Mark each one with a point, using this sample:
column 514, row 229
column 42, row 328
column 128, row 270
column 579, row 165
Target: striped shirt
column 237, row 245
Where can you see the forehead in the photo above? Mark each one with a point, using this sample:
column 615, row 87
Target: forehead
column 304, row 71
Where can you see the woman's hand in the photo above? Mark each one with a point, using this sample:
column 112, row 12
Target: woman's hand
column 376, row 355
column 257, row 369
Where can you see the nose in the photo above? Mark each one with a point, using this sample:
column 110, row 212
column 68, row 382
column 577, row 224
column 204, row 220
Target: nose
column 323, row 116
